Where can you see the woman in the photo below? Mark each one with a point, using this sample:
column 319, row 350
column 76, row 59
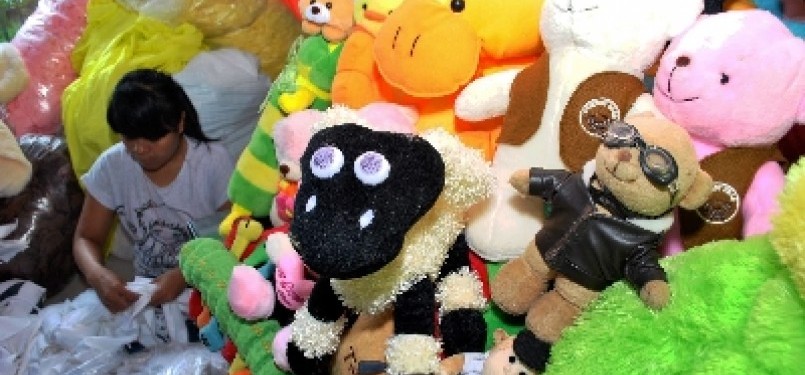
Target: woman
column 163, row 174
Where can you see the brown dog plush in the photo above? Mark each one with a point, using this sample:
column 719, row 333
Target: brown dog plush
column 605, row 225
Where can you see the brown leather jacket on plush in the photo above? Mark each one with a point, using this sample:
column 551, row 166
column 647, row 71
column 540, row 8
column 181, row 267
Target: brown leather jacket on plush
column 587, row 245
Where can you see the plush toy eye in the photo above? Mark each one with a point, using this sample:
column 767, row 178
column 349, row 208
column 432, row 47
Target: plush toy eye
column 457, row 6
column 512, row 359
column 372, row 168
column 364, row 6
column 329, row 5
column 326, row 162
column 724, row 79
column 310, row 204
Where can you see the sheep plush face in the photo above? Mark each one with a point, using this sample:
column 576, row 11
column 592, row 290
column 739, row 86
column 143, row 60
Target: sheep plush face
column 655, row 147
column 362, row 192
column 607, row 27
column 734, row 79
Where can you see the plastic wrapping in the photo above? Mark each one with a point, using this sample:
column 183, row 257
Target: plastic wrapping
column 169, row 11
column 219, row 17
column 269, row 37
column 46, row 211
column 45, row 42
column 227, row 88
column 82, row 337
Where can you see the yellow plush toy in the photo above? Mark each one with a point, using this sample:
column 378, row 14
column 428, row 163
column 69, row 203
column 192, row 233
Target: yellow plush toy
column 426, row 51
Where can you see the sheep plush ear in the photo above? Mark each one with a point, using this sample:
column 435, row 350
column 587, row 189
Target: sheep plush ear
column 699, row 192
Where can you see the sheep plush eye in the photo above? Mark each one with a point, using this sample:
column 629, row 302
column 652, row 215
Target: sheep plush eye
column 372, row 168
column 326, row 162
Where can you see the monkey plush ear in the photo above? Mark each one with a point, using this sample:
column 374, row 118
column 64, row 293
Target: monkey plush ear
column 699, row 192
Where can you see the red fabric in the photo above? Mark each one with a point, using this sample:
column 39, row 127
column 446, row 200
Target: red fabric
column 478, row 265
column 294, row 7
column 229, row 351
column 195, row 306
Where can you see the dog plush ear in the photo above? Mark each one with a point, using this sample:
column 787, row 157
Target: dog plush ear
column 699, row 192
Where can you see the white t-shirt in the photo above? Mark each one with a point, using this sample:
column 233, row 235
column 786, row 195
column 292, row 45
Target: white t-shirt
column 155, row 218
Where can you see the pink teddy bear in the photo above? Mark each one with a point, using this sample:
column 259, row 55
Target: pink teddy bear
column 736, row 82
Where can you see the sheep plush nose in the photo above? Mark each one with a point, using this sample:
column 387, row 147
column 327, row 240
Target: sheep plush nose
column 682, row 61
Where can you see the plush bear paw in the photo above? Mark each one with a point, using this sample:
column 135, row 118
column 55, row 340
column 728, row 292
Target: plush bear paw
column 655, row 294
column 516, row 286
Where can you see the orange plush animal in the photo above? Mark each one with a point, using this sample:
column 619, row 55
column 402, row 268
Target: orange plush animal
column 426, row 51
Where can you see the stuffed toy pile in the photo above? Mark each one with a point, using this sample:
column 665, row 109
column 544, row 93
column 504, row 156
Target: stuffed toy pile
column 376, row 218
column 306, row 80
column 263, row 184
column 738, row 307
column 556, row 109
column 606, row 224
column 425, row 51
column 736, row 82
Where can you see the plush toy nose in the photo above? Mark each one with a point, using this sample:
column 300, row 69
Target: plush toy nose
column 284, row 169
column 624, row 155
column 682, row 61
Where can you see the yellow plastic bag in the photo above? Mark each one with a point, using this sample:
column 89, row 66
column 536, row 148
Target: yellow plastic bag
column 115, row 41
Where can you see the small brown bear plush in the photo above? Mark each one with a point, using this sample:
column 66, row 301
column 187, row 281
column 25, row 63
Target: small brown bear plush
column 605, row 225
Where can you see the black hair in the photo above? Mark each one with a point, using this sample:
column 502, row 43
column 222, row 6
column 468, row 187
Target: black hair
column 147, row 103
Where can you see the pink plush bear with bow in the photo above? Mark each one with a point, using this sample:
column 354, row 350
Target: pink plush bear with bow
column 736, row 82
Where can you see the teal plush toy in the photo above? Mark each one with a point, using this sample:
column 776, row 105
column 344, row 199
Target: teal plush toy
column 738, row 307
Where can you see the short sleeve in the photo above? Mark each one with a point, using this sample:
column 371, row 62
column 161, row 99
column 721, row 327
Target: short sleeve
column 97, row 181
column 221, row 165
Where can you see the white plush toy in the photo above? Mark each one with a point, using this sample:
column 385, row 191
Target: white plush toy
column 13, row 73
column 555, row 109
column 16, row 168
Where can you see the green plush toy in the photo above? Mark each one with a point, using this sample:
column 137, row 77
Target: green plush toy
column 207, row 265
column 738, row 307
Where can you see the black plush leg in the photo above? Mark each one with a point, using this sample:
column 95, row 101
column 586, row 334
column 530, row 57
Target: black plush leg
column 463, row 331
column 531, row 351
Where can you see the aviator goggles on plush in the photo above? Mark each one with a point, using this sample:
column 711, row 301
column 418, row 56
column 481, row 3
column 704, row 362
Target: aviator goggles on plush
column 657, row 163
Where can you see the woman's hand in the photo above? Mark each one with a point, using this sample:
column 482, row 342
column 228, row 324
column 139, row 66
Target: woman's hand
column 169, row 286
column 111, row 290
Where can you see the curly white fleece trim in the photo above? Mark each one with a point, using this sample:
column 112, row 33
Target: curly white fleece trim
column 468, row 180
column 315, row 338
column 461, row 289
column 412, row 354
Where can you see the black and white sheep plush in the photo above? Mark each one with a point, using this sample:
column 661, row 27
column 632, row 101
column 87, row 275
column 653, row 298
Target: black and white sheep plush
column 376, row 217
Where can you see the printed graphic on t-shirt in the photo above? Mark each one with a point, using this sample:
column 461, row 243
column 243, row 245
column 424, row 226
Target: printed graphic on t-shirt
column 158, row 234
